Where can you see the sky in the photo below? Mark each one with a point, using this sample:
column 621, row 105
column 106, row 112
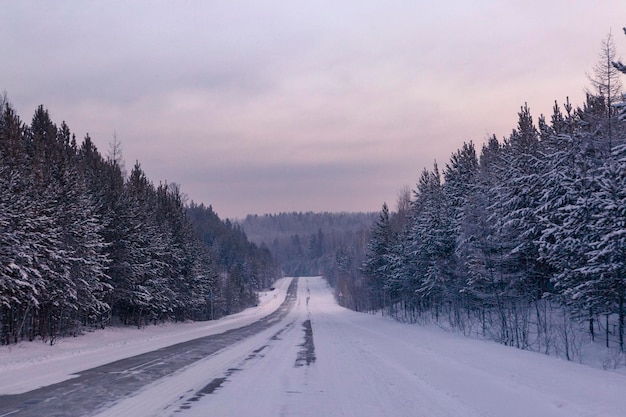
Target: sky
column 277, row 106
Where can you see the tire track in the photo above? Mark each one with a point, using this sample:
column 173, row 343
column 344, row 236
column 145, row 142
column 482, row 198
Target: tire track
column 96, row 389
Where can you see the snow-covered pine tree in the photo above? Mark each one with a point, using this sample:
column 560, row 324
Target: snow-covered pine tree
column 524, row 277
column 180, row 256
column 376, row 266
column 141, row 269
column 47, row 151
column 431, row 243
column 567, row 167
column 460, row 178
column 83, row 239
column 23, row 237
column 479, row 248
column 605, row 269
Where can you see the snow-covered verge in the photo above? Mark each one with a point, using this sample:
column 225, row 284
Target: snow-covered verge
column 363, row 365
column 30, row 365
column 372, row 366
column 561, row 336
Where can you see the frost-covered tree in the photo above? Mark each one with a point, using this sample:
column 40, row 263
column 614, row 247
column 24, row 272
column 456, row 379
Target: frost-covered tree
column 567, row 166
column 432, row 242
column 517, row 197
column 377, row 264
column 460, row 178
column 139, row 270
column 604, row 286
column 478, row 246
column 27, row 241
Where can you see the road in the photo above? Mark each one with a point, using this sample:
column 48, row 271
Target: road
column 325, row 361
column 100, row 387
column 315, row 358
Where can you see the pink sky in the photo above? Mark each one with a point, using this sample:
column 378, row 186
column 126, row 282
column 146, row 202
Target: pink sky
column 262, row 107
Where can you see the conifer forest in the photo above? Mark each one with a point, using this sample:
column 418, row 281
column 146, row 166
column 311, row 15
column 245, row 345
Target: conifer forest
column 522, row 240
column 84, row 245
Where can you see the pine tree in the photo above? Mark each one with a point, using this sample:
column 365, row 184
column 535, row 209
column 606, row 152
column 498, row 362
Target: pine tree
column 479, row 247
column 460, row 179
column 141, row 290
column 518, row 226
column 566, row 167
column 605, row 270
column 24, row 238
column 376, row 266
column 431, row 243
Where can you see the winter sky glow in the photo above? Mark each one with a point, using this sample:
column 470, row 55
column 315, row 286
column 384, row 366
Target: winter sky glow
column 269, row 106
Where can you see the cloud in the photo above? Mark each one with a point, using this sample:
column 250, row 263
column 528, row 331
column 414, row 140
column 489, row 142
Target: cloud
column 298, row 187
column 276, row 105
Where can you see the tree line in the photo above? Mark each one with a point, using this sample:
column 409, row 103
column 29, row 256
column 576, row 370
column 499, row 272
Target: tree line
column 82, row 244
column 304, row 243
column 522, row 240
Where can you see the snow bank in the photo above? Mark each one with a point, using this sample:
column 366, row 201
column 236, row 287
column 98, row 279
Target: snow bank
column 30, row 365
column 370, row 366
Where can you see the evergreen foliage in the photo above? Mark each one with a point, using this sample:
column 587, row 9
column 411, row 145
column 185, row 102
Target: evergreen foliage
column 83, row 246
column 531, row 230
column 306, row 243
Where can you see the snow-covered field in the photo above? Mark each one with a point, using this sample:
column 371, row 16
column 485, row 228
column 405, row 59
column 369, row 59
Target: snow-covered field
column 30, row 365
column 358, row 365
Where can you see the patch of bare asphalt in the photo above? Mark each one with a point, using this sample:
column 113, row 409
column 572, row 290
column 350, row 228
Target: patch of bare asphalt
column 306, row 355
column 97, row 389
column 275, row 336
column 216, row 383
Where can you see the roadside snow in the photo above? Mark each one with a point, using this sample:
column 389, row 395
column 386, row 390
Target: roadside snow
column 372, row 366
column 364, row 366
column 30, row 365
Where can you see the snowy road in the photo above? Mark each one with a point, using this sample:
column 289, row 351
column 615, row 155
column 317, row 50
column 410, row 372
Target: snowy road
column 93, row 389
column 370, row 366
column 319, row 359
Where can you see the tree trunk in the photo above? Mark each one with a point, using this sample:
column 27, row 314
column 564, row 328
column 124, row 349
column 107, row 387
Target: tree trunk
column 607, row 331
column 621, row 323
column 591, row 331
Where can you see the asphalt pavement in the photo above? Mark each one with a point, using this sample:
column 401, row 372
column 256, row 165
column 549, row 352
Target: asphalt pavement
column 95, row 389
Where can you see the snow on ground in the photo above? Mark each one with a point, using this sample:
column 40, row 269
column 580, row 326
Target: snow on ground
column 372, row 366
column 30, row 365
column 368, row 365
column 358, row 365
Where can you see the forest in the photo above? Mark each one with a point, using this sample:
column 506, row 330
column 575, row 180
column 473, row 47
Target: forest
column 85, row 245
column 522, row 241
column 305, row 244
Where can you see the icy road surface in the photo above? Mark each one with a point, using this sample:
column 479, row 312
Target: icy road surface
column 363, row 365
column 322, row 360
column 63, row 382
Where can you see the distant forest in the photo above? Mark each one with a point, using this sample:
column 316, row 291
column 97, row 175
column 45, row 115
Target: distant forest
column 522, row 241
column 307, row 243
column 84, row 245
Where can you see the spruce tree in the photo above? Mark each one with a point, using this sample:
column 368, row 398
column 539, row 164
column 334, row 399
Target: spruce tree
column 376, row 266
